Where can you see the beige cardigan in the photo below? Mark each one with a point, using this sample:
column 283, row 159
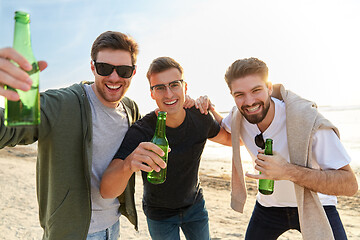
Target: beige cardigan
column 302, row 121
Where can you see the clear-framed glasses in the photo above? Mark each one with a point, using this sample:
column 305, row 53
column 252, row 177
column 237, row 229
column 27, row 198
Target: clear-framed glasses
column 173, row 86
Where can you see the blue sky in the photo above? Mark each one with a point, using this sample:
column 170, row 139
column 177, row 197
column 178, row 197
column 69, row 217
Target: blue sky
column 312, row 47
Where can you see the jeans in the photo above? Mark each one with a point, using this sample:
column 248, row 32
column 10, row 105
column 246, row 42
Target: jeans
column 194, row 223
column 270, row 222
column 111, row 233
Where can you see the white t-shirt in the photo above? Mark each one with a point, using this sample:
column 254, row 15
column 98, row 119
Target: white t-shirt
column 109, row 128
column 327, row 153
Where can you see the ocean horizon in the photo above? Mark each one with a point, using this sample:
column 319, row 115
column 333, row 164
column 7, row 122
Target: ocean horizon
column 345, row 118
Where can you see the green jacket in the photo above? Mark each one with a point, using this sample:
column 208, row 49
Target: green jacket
column 64, row 162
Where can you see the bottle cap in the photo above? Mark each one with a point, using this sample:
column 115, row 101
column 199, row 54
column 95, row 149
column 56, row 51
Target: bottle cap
column 22, row 17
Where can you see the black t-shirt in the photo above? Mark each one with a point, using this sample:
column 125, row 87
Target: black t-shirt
column 181, row 188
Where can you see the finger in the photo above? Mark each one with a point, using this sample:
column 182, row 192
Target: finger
column 189, row 103
column 259, row 162
column 154, row 161
column 10, row 53
column 201, row 107
column 13, row 76
column 136, row 166
column 205, row 104
column 260, row 169
column 197, row 104
column 42, row 65
column 151, row 155
column 143, row 160
column 254, row 176
column 152, row 147
column 9, row 94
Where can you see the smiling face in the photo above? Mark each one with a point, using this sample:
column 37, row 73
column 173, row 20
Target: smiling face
column 111, row 89
column 252, row 97
column 170, row 100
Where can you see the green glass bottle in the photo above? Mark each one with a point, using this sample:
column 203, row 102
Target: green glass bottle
column 26, row 111
column 266, row 186
column 160, row 140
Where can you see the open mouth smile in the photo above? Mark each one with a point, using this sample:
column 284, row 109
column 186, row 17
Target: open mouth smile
column 253, row 109
column 113, row 86
column 171, row 102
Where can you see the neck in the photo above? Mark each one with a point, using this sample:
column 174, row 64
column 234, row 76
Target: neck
column 175, row 120
column 102, row 100
column 265, row 123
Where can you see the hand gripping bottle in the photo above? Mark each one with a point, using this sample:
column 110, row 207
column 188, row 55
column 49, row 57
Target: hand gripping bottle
column 160, row 140
column 26, row 111
column 266, row 186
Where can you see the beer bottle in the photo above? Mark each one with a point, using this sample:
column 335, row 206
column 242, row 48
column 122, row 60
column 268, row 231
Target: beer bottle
column 266, row 186
column 160, row 140
column 26, row 111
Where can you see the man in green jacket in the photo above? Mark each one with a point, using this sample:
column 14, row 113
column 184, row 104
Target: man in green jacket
column 81, row 129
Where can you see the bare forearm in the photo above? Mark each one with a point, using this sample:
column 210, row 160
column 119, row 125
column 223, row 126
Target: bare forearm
column 331, row 182
column 115, row 179
column 216, row 115
column 223, row 137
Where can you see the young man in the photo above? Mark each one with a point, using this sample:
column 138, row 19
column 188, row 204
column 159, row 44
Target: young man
column 310, row 166
column 81, row 129
column 178, row 202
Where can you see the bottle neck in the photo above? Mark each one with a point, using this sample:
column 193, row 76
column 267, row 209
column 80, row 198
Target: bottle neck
column 21, row 34
column 268, row 147
column 160, row 126
column 22, row 40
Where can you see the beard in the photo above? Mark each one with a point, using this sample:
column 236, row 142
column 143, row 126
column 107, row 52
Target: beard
column 256, row 118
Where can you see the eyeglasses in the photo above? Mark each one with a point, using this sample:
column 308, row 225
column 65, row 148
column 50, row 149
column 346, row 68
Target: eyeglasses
column 105, row 69
column 173, row 86
column 259, row 141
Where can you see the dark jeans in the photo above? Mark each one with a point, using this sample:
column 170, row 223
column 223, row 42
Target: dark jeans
column 270, row 222
column 194, row 223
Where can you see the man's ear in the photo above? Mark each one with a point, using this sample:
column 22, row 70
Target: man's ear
column 134, row 72
column 92, row 67
column 152, row 95
column 270, row 87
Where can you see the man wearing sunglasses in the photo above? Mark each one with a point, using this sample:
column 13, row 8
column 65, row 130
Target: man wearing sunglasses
column 310, row 165
column 81, row 129
column 178, row 202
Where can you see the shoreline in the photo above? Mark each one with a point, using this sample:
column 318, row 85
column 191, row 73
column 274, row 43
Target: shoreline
column 18, row 203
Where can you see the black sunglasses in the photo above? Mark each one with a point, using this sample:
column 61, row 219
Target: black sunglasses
column 105, row 69
column 259, row 141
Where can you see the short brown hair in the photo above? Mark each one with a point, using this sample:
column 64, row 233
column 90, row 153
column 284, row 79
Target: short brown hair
column 116, row 41
column 162, row 64
column 244, row 67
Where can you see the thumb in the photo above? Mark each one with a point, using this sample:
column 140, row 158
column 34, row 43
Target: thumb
column 42, row 65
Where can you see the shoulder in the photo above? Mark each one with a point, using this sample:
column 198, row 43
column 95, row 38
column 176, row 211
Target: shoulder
column 195, row 113
column 132, row 109
column 146, row 122
column 129, row 102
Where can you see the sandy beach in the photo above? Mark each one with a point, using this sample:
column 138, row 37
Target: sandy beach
column 19, row 211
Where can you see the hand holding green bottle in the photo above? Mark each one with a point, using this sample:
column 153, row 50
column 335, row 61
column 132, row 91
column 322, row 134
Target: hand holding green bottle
column 160, row 140
column 25, row 110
